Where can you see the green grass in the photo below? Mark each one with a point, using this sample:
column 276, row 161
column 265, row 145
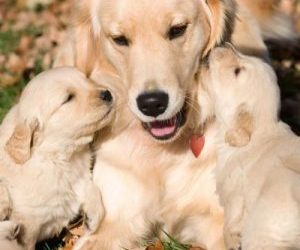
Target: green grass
column 9, row 41
column 173, row 244
column 8, row 96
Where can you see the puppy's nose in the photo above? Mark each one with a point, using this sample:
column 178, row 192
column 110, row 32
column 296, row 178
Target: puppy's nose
column 106, row 96
column 153, row 103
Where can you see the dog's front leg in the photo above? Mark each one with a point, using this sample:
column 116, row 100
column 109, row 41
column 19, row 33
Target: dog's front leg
column 234, row 220
column 92, row 206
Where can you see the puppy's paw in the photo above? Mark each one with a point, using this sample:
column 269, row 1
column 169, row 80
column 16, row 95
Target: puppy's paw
column 10, row 229
column 5, row 211
column 94, row 211
column 92, row 221
column 86, row 243
column 233, row 241
column 5, row 203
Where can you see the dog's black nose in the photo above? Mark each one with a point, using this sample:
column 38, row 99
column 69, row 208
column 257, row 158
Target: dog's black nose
column 153, row 103
column 106, row 96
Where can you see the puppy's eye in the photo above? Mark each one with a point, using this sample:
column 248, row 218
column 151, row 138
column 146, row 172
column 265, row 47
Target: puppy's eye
column 121, row 40
column 177, row 31
column 238, row 70
column 69, row 98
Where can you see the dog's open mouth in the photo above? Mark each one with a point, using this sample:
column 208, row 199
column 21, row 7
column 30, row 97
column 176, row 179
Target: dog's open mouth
column 167, row 129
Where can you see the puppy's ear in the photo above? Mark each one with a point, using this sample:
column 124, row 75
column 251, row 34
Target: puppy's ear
column 221, row 17
column 239, row 134
column 20, row 143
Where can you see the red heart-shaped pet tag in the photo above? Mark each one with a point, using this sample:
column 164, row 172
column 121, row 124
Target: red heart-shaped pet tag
column 197, row 144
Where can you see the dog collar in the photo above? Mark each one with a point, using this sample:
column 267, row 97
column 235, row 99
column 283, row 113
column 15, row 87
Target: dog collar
column 197, row 143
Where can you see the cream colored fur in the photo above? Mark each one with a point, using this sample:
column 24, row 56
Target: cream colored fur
column 145, row 182
column 258, row 160
column 9, row 232
column 45, row 158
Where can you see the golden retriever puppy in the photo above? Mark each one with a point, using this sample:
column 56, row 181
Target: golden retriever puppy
column 9, row 232
column 147, row 172
column 258, row 169
column 45, row 159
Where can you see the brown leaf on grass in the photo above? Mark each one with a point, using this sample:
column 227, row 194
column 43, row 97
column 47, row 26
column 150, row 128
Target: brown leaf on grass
column 23, row 20
column 43, row 43
column 49, row 18
column 72, row 237
column 30, row 62
column 2, row 59
column 24, row 44
column 15, row 63
column 7, row 79
column 47, row 59
column 68, row 246
column 158, row 246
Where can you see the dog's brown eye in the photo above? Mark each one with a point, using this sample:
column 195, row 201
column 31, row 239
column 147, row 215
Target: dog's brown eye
column 177, row 31
column 121, row 41
column 69, row 98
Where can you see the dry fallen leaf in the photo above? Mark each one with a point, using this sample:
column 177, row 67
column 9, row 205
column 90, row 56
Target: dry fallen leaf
column 158, row 246
column 7, row 79
column 15, row 63
column 24, row 44
column 2, row 59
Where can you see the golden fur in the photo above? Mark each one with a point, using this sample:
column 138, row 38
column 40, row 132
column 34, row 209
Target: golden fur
column 143, row 181
column 45, row 158
column 9, row 232
column 258, row 180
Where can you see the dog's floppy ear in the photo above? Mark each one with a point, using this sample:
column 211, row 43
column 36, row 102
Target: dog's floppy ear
column 239, row 134
column 83, row 49
column 221, row 17
column 78, row 50
column 86, row 41
column 20, row 143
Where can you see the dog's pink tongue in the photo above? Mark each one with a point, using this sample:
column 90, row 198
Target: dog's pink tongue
column 161, row 132
column 162, row 129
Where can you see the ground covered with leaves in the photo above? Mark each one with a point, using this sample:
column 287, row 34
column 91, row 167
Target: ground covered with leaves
column 29, row 40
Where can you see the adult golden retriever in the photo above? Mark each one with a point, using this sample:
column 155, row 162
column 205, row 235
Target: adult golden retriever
column 145, row 169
